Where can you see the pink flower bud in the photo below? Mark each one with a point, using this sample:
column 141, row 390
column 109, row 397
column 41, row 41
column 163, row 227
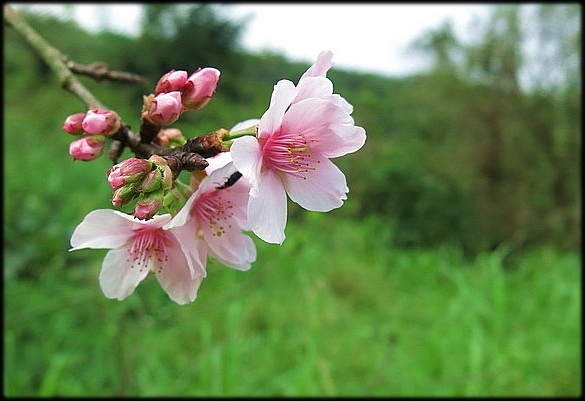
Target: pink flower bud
column 145, row 209
column 171, row 81
column 200, row 87
column 101, row 122
column 166, row 172
column 152, row 181
column 170, row 137
column 87, row 148
column 72, row 124
column 129, row 171
column 165, row 108
column 123, row 195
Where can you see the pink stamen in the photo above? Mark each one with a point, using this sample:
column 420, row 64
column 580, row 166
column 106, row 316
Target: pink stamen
column 148, row 247
column 215, row 212
column 290, row 153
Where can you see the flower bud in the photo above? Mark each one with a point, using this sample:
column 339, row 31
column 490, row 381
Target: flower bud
column 129, row 171
column 146, row 208
column 72, row 124
column 151, row 182
column 163, row 166
column 101, row 122
column 164, row 109
column 123, row 195
column 87, row 148
column 171, row 81
column 170, row 137
column 200, row 87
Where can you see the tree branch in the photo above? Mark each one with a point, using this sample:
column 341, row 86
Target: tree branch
column 99, row 71
column 190, row 157
column 53, row 57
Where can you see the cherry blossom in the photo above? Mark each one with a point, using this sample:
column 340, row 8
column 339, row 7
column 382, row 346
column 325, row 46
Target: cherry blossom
column 137, row 248
column 212, row 221
column 304, row 127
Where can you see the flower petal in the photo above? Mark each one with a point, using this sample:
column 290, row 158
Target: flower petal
column 193, row 247
column 234, row 249
column 247, row 156
column 323, row 189
column 116, row 278
column 313, row 116
column 245, row 124
column 103, row 228
column 267, row 210
column 322, row 65
column 353, row 138
column 316, row 87
column 174, row 275
column 217, row 161
column 283, row 94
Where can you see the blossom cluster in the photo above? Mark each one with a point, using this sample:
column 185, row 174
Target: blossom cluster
column 175, row 228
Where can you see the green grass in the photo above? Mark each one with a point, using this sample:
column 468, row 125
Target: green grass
column 331, row 312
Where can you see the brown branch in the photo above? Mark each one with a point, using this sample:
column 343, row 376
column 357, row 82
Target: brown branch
column 100, row 71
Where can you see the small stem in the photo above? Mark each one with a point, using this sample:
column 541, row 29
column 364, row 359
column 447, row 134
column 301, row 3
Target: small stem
column 99, row 71
column 250, row 131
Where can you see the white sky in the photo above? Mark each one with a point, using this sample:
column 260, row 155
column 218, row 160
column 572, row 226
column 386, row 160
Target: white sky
column 364, row 37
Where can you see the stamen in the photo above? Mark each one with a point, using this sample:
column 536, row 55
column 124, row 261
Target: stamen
column 215, row 212
column 148, row 250
column 290, row 153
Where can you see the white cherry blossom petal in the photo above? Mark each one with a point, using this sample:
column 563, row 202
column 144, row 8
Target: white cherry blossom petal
column 116, row 278
column 321, row 190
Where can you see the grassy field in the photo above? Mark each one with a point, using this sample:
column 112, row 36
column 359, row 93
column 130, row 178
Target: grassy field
column 331, row 312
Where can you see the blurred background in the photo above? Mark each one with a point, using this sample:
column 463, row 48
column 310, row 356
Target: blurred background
column 453, row 269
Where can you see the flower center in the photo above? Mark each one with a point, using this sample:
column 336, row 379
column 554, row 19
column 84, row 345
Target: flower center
column 215, row 212
column 148, row 250
column 290, row 153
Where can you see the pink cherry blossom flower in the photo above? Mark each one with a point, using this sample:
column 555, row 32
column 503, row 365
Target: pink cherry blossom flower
column 303, row 128
column 87, row 148
column 212, row 220
column 200, row 87
column 137, row 248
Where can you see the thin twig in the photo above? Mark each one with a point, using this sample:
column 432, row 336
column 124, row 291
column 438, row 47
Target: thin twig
column 100, row 71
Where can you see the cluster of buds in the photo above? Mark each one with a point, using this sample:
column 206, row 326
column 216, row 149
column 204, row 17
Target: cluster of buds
column 93, row 127
column 149, row 182
column 176, row 92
